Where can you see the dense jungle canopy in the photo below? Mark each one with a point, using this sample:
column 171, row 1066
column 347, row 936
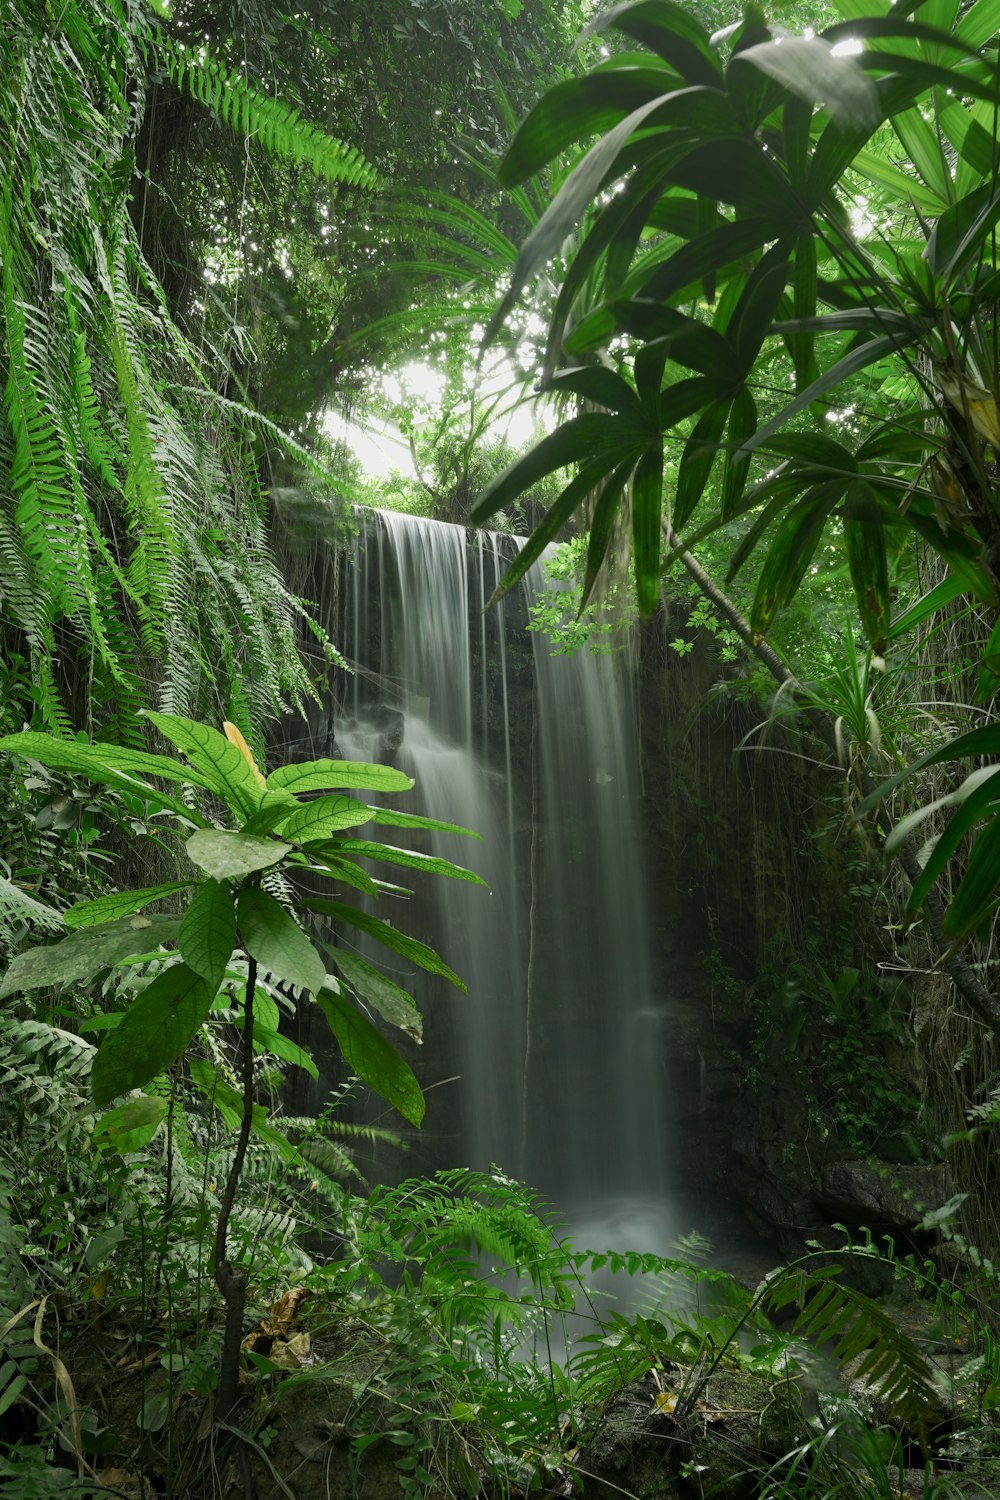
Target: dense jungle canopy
column 737, row 270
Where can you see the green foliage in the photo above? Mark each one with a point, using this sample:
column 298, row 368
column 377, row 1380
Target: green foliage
column 227, row 907
column 133, row 529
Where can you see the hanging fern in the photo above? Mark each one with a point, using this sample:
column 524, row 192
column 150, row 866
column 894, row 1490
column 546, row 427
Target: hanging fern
column 134, row 551
column 280, row 129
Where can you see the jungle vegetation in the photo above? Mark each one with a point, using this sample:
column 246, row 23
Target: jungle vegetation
column 750, row 261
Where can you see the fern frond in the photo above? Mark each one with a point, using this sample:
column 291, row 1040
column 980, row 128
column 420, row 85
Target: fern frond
column 280, row 128
column 862, row 1335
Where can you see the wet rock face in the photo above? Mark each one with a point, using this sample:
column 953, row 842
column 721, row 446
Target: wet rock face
column 718, row 1440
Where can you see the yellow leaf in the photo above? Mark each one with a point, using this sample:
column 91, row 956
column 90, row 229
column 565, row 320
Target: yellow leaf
column 235, row 738
column 666, row 1401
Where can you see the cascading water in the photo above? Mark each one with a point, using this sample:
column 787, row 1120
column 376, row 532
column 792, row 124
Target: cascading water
column 557, row 1049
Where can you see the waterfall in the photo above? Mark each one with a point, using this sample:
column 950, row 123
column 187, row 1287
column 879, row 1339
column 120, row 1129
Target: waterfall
column 552, row 1066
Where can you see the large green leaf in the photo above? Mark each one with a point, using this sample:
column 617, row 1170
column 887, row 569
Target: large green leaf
column 602, row 526
column 579, row 109
column 858, row 359
column 370, row 1056
column 808, row 67
column 221, row 764
column 864, row 535
column 961, row 233
column 669, row 30
column 419, row 953
column 120, row 904
column 742, row 425
column 694, row 109
column 272, row 936
column 130, row 1126
column 393, row 1004
column 978, row 892
column 112, row 764
column 407, row 859
column 207, row 934
column 153, row 1033
column 87, row 952
column 790, row 554
column 697, row 459
column 647, row 512
column 322, row 817
column 225, row 855
column 581, row 438
column 393, row 819
column 337, row 775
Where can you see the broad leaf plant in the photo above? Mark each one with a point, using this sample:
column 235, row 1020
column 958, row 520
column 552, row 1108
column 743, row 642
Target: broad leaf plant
column 298, row 822
column 745, row 298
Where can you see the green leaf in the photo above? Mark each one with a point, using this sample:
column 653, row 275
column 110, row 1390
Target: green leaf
column 407, row 859
column 604, row 161
column 809, row 68
column 697, row 459
column 393, row 819
column 119, row 904
column 281, row 1047
column 130, row 1126
column 225, row 855
column 977, row 895
column 960, row 234
column 672, row 33
column 581, row 438
column 578, row 109
column 152, row 1034
column 87, row 952
column 321, row 818
column 857, row 359
column 207, row 935
column 419, row 953
column 790, row 553
column 864, row 535
column 393, row 1004
column 602, row 527
column 370, row 1056
column 221, row 765
column 742, row 425
column 647, row 512
column 112, row 764
column 271, row 935
column 337, row 775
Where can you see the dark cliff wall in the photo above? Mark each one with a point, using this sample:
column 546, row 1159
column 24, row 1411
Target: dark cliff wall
column 796, row 1081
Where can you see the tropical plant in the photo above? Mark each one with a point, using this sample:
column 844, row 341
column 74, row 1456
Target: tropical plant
column 235, row 898
column 750, row 228
column 133, row 530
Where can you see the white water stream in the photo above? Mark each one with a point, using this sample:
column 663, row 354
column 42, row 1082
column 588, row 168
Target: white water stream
column 558, row 1046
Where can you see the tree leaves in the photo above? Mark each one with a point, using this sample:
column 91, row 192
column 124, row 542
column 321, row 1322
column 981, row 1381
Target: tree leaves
column 272, row 936
column 87, row 952
column 225, row 855
column 419, row 953
column 370, row 1056
column 208, row 931
column 337, row 775
column 152, row 1034
column 393, row 1004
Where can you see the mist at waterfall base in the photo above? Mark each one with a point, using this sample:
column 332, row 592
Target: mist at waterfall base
column 553, row 1065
